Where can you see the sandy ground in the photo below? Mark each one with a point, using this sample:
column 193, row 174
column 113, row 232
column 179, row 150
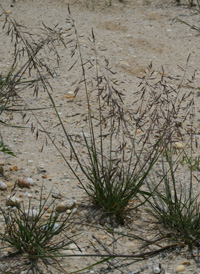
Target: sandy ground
column 130, row 35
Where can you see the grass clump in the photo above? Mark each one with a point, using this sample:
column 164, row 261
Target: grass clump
column 114, row 164
column 31, row 236
column 117, row 160
column 112, row 184
column 176, row 207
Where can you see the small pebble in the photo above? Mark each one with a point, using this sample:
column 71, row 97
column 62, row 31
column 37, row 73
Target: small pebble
column 109, row 243
column 46, row 216
column 179, row 145
column 55, row 227
column 31, row 181
column 31, row 213
column 3, row 186
column 74, row 210
column 23, row 182
column 187, row 263
column 7, row 12
column 180, row 268
column 28, row 195
column 125, row 64
column 63, row 206
column 156, row 270
column 70, row 204
column 73, row 246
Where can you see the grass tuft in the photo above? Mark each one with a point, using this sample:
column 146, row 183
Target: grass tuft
column 34, row 236
column 177, row 208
